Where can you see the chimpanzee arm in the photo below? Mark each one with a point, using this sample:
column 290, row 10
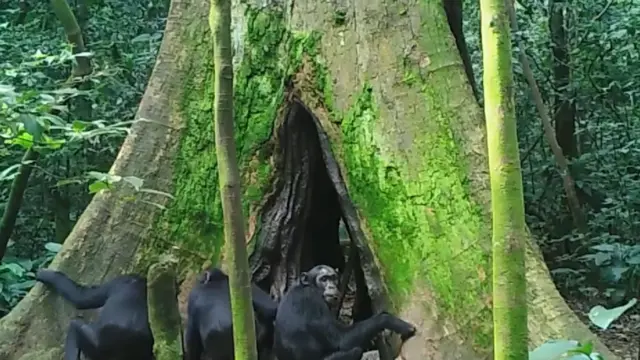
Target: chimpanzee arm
column 362, row 332
column 82, row 297
column 353, row 354
column 263, row 305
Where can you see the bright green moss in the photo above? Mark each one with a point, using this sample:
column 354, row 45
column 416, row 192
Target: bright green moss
column 420, row 209
column 193, row 220
column 419, row 212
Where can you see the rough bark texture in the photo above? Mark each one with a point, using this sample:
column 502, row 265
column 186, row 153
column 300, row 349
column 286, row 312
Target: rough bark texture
column 164, row 317
column 387, row 89
column 507, row 202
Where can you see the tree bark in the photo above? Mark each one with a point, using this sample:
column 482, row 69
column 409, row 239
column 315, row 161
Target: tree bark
column 564, row 111
column 74, row 35
column 82, row 68
column 164, row 317
column 244, row 339
column 61, row 208
column 18, row 187
column 507, row 202
column 360, row 108
column 454, row 11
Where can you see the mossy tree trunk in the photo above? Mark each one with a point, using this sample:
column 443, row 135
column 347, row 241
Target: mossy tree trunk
column 164, row 317
column 507, row 202
column 361, row 112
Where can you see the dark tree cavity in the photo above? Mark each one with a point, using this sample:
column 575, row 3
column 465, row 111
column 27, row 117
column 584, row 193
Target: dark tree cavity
column 302, row 219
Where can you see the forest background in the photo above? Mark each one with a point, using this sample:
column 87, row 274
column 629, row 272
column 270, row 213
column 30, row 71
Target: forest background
column 584, row 56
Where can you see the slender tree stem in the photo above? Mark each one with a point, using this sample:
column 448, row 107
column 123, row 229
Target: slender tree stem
column 507, row 203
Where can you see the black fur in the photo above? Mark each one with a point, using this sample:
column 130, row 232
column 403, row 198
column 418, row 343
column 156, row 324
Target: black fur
column 121, row 331
column 209, row 327
column 305, row 328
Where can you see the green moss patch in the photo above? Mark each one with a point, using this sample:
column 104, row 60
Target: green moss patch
column 271, row 53
column 423, row 221
column 193, row 221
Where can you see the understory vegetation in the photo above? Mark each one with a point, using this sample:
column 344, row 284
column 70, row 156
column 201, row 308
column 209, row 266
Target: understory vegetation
column 585, row 57
column 586, row 60
column 77, row 130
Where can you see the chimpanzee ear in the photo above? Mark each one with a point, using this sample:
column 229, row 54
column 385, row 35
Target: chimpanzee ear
column 337, row 271
column 304, row 279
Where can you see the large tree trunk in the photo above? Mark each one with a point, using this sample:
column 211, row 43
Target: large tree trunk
column 359, row 111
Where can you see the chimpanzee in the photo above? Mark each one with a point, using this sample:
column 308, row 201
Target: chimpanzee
column 209, row 326
column 121, row 331
column 306, row 329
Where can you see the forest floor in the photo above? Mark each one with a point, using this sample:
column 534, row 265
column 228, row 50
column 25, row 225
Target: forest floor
column 623, row 335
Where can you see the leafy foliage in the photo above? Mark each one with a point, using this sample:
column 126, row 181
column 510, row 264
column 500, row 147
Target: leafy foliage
column 604, row 78
column 17, row 276
column 43, row 106
column 573, row 350
column 39, row 103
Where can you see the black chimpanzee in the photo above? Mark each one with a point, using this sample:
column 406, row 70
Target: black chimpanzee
column 121, row 331
column 209, row 326
column 306, row 329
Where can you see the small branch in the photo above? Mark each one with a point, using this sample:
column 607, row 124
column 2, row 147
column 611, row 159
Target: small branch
column 18, row 187
column 550, row 134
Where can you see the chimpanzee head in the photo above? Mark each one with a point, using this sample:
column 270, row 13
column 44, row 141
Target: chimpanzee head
column 325, row 279
column 211, row 274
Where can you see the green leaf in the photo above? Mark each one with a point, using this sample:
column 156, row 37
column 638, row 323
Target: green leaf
column 134, row 181
column 23, row 285
column 53, row 247
column 141, row 38
column 604, row 247
column 10, row 172
column 78, row 126
column 84, row 54
column 13, row 268
column 64, row 182
column 32, row 126
column 603, row 317
column 66, row 91
column 104, row 177
column 633, row 260
column 38, row 55
column 553, row 350
column 601, row 257
column 97, row 186
column 26, row 264
column 53, row 144
column 24, row 140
